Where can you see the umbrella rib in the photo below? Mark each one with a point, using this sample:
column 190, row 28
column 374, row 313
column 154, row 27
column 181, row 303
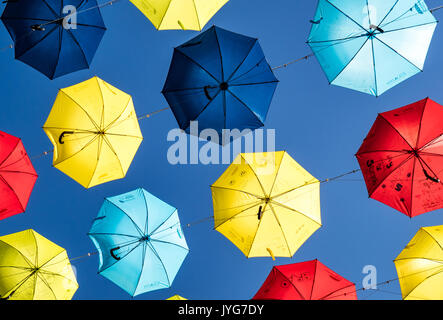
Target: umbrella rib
column 196, row 14
column 60, row 34
column 289, row 280
column 164, row 221
column 441, row 247
column 169, row 243
column 112, row 234
column 167, row 8
column 79, row 46
column 276, row 175
column 344, row 294
column 17, row 286
column 235, row 215
column 412, row 189
column 396, row 130
column 256, row 231
column 37, row 43
column 346, row 15
column 253, row 83
column 241, row 191
column 388, row 175
column 78, row 105
column 350, row 61
column 159, row 259
column 246, row 106
column 112, row 123
column 398, row 53
column 313, row 280
column 121, row 258
column 51, row 9
column 433, row 141
column 198, row 65
column 2, row 179
column 12, row 151
column 204, row 108
column 387, row 15
column 99, row 147
column 46, row 284
column 250, row 167
column 245, row 73
column 135, row 225
column 281, row 229
column 374, row 68
column 23, row 256
column 296, row 188
column 115, row 153
column 241, row 63
column 294, row 210
column 143, row 266
column 84, row 147
column 427, row 278
column 411, row 27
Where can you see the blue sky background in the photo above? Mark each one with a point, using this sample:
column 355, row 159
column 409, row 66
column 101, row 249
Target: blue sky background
column 321, row 126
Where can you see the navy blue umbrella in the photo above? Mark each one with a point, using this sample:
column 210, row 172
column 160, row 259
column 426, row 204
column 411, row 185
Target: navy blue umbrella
column 222, row 80
column 56, row 37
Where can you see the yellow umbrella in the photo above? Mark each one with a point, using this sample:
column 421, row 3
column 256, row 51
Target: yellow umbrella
column 179, row 14
column 176, row 297
column 95, row 132
column 420, row 266
column 34, row 268
column 266, row 204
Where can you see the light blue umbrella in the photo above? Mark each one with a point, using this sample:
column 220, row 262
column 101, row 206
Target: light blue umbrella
column 140, row 242
column 371, row 45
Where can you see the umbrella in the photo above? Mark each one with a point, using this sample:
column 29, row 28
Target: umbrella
column 310, row 280
column 52, row 39
column 179, row 14
column 17, row 176
column 266, row 204
column 222, row 80
column 176, row 297
column 140, row 242
column 95, row 132
column 34, row 268
column 371, row 46
column 420, row 266
column 401, row 158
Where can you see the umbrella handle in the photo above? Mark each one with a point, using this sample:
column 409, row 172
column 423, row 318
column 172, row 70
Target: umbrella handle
column 60, row 139
column 260, row 214
column 207, row 92
column 113, row 254
column 431, row 178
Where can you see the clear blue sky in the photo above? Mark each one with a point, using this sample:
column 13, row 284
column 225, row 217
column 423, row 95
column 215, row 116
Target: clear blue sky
column 321, row 127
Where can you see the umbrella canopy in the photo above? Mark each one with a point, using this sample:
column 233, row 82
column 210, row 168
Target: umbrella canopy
column 420, row 266
column 179, row 14
column 401, row 158
column 310, row 280
column 52, row 40
column 34, row 268
column 140, row 242
column 17, row 176
column 266, row 204
column 95, row 132
column 222, row 80
column 176, row 297
column 371, row 46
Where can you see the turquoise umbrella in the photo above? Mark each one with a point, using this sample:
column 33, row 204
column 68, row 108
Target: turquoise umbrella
column 140, row 242
column 371, row 46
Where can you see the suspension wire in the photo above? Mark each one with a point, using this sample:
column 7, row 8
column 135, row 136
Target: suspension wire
column 389, row 281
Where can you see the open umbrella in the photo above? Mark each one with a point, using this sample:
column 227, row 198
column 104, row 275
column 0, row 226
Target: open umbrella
column 176, row 297
column 140, row 242
column 266, row 204
column 179, row 14
column 371, row 46
column 54, row 37
column 420, row 265
column 310, row 280
column 94, row 129
column 222, row 80
column 17, row 176
column 34, row 268
column 402, row 158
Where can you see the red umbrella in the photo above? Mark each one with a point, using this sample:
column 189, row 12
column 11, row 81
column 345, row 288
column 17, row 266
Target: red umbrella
column 310, row 280
column 17, row 176
column 402, row 158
